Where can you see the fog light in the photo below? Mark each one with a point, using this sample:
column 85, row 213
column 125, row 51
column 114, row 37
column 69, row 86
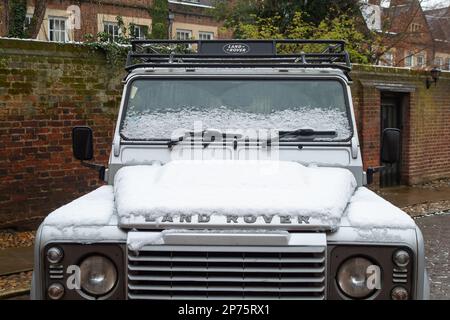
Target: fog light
column 54, row 255
column 55, row 291
column 399, row 293
column 401, row 258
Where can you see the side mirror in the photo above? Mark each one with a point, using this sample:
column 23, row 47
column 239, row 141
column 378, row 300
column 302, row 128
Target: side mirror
column 82, row 143
column 390, row 145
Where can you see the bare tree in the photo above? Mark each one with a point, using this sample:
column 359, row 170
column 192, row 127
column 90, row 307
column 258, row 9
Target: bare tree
column 13, row 15
column 388, row 40
column 38, row 17
column 5, row 14
column 384, row 40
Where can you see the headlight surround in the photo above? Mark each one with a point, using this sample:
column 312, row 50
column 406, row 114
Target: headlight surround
column 352, row 278
column 98, row 275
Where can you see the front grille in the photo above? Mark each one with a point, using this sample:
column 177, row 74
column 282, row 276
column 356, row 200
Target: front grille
column 206, row 272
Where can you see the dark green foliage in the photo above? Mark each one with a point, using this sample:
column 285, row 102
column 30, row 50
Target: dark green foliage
column 159, row 11
column 17, row 15
column 313, row 11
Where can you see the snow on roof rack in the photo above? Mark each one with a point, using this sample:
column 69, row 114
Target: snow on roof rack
column 238, row 54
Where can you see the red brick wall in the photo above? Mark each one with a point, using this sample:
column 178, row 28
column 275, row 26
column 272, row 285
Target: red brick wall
column 47, row 88
column 426, row 112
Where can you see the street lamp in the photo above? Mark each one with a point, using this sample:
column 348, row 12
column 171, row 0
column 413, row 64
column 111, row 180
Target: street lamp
column 435, row 73
column 170, row 19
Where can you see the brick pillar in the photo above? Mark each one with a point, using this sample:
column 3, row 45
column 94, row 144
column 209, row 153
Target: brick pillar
column 408, row 105
column 370, row 109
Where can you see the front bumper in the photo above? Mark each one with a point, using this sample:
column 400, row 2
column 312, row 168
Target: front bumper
column 302, row 269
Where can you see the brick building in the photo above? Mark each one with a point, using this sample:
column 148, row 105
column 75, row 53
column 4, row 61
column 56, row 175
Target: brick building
column 439, row 23
column 188, row 19
column 412, row 37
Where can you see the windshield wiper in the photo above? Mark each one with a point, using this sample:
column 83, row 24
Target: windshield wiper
column 207, row 135
column 306, row 133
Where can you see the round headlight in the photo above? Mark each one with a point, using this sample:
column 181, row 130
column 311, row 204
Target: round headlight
column 401, row 258
column 352, row 278
column 98, row 275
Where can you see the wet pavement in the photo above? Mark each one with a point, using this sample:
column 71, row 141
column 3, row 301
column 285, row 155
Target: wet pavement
column 436, row 232
column 407, row 196
column 14, row 260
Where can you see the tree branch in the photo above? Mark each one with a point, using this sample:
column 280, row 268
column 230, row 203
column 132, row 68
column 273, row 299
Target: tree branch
column 38, row 17
column 5, row 14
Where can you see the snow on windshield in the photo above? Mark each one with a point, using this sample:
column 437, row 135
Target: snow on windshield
column 158, row 108
column 146, row 125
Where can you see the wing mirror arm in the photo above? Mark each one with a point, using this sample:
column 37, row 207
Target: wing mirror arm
column 97, row 167
column 83, row 149
column 371, row 171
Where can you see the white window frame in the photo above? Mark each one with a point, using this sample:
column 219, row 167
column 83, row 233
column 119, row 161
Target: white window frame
column 388, row 58
column 421, row 62
column 439, row 62
column 57, row 33
column 409, row 59
column 28, row 18
column 187, row 34
column 205, row 35
column 110, row 24
column 141, row 31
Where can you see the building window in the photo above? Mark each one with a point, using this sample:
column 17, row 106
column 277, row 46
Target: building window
column 414, row 27
column 409, row 59
column 448, row 64
column 203, row 35
column 138, row 31
column 57, row 29
column 388, row 59
column 184, row 34
column 439, row 62
column 112, row 29
column 27, row 22
column 421, row 60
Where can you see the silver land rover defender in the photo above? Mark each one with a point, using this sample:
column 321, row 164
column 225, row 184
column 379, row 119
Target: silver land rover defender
column 235, row 173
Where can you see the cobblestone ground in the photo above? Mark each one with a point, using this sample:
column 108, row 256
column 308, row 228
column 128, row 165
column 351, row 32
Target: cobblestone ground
column 436, row 232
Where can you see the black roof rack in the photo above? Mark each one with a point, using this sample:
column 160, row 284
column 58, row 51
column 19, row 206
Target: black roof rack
column 238, row 54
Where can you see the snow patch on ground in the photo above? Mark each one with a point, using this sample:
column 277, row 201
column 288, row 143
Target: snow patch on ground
column 233, row 187
column 367, row 210
column 93, row 209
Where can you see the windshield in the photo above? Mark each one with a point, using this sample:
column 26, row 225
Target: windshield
column 157, row 108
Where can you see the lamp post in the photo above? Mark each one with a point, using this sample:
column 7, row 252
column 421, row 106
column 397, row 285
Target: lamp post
column 435, row 73
column 170, row 19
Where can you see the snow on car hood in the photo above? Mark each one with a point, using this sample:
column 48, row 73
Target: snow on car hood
column 210, row 194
